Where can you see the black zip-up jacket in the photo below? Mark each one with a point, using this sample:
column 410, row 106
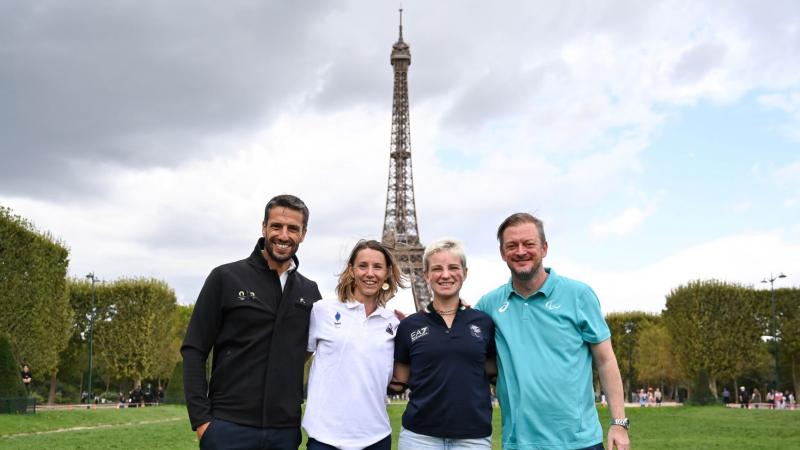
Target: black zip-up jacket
column 259, row 335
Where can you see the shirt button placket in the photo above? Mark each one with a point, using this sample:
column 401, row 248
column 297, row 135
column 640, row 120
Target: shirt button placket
column 526, row 312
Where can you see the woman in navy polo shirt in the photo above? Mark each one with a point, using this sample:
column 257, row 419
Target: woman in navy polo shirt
column 353, row 340
column 445, row 354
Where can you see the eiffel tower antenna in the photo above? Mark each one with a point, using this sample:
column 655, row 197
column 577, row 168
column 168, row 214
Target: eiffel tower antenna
column 400, row 230
column 401, row 23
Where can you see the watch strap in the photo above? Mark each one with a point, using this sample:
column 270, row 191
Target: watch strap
column 624, row 422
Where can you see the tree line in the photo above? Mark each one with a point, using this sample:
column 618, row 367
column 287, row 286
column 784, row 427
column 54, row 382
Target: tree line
column 47, row 319
column 711, row 334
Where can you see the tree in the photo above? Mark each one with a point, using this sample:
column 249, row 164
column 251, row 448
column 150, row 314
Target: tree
column 10, row 381
column 715, row 328
column 35, row 310
column 174, row 394
column 788, row 308
column 133, row 329
column 626, row 327
column 701, row 390
column 74, row 359
column 165, row 364
column 655, row 362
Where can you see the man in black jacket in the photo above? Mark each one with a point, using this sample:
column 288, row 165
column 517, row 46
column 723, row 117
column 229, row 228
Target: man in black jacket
column 254, row 314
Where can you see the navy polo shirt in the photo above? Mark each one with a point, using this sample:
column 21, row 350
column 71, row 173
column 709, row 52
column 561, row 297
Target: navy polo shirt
column 450, row 395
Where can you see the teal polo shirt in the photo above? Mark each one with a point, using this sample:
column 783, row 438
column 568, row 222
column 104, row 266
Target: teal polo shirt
column 545, row 363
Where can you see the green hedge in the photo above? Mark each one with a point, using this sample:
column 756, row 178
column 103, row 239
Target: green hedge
column 34, row 306
column 10, row 381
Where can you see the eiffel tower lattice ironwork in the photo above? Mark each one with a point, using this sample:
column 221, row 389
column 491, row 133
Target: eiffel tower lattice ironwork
column 400, row 230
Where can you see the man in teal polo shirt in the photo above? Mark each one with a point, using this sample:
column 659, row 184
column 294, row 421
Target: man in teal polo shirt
column 549, row 329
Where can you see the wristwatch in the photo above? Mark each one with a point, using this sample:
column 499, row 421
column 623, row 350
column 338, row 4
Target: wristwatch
column 624, row 422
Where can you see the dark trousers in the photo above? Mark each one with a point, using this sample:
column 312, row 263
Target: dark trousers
column 595, row 447
column 224, row 435
column 383, row 444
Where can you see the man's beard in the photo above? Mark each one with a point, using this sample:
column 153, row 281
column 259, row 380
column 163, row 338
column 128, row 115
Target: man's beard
column 526, row 275
column 276, row 258
column 523, row 276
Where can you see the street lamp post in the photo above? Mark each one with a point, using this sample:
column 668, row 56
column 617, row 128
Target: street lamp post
column 629, row 327
column 93, row 279
column 771, row 281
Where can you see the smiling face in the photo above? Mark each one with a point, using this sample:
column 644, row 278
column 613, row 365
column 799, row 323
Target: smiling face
column 445, row 275
column 369, row 271
column 523, row 251
column 283, row 232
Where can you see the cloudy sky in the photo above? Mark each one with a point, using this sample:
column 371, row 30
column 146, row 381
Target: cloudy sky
column 659, row 141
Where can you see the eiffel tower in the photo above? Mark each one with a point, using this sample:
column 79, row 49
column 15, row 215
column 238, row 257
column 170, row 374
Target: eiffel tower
column 400, row 231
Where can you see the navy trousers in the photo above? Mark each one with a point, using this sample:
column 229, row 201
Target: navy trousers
column 595, row 447
column 224, row 435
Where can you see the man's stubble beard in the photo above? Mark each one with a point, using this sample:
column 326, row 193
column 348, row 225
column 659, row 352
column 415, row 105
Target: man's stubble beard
column 523, row 276
column 274, row 257
column 527, row 275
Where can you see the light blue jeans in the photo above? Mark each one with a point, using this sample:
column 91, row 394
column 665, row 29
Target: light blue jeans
column 413, row 441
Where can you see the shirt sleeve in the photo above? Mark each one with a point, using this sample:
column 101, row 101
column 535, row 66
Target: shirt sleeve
column 313, row 328
column 593, row 326
column 483, row 304
column 402, row 343
column 200, row 337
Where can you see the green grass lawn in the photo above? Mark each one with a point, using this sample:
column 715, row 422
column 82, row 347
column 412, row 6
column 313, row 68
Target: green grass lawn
column 167, row 427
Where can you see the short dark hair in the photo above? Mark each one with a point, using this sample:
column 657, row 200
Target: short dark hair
column 287, row 201
column 518, row 219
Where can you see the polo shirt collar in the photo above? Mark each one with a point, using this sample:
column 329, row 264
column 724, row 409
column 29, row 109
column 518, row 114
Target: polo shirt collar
column 380, row 310
column 546, row 290
column 429, row 309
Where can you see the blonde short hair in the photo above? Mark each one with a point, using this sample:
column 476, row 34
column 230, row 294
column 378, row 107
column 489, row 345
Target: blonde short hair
column 446, row 244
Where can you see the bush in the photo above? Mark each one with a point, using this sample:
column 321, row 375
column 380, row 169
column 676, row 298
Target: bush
column 68, row 393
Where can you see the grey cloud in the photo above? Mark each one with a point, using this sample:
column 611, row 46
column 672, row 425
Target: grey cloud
column 493, row 97
column 354, row 78
column 139, row 84
column 502, row 56
column 698, row 61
